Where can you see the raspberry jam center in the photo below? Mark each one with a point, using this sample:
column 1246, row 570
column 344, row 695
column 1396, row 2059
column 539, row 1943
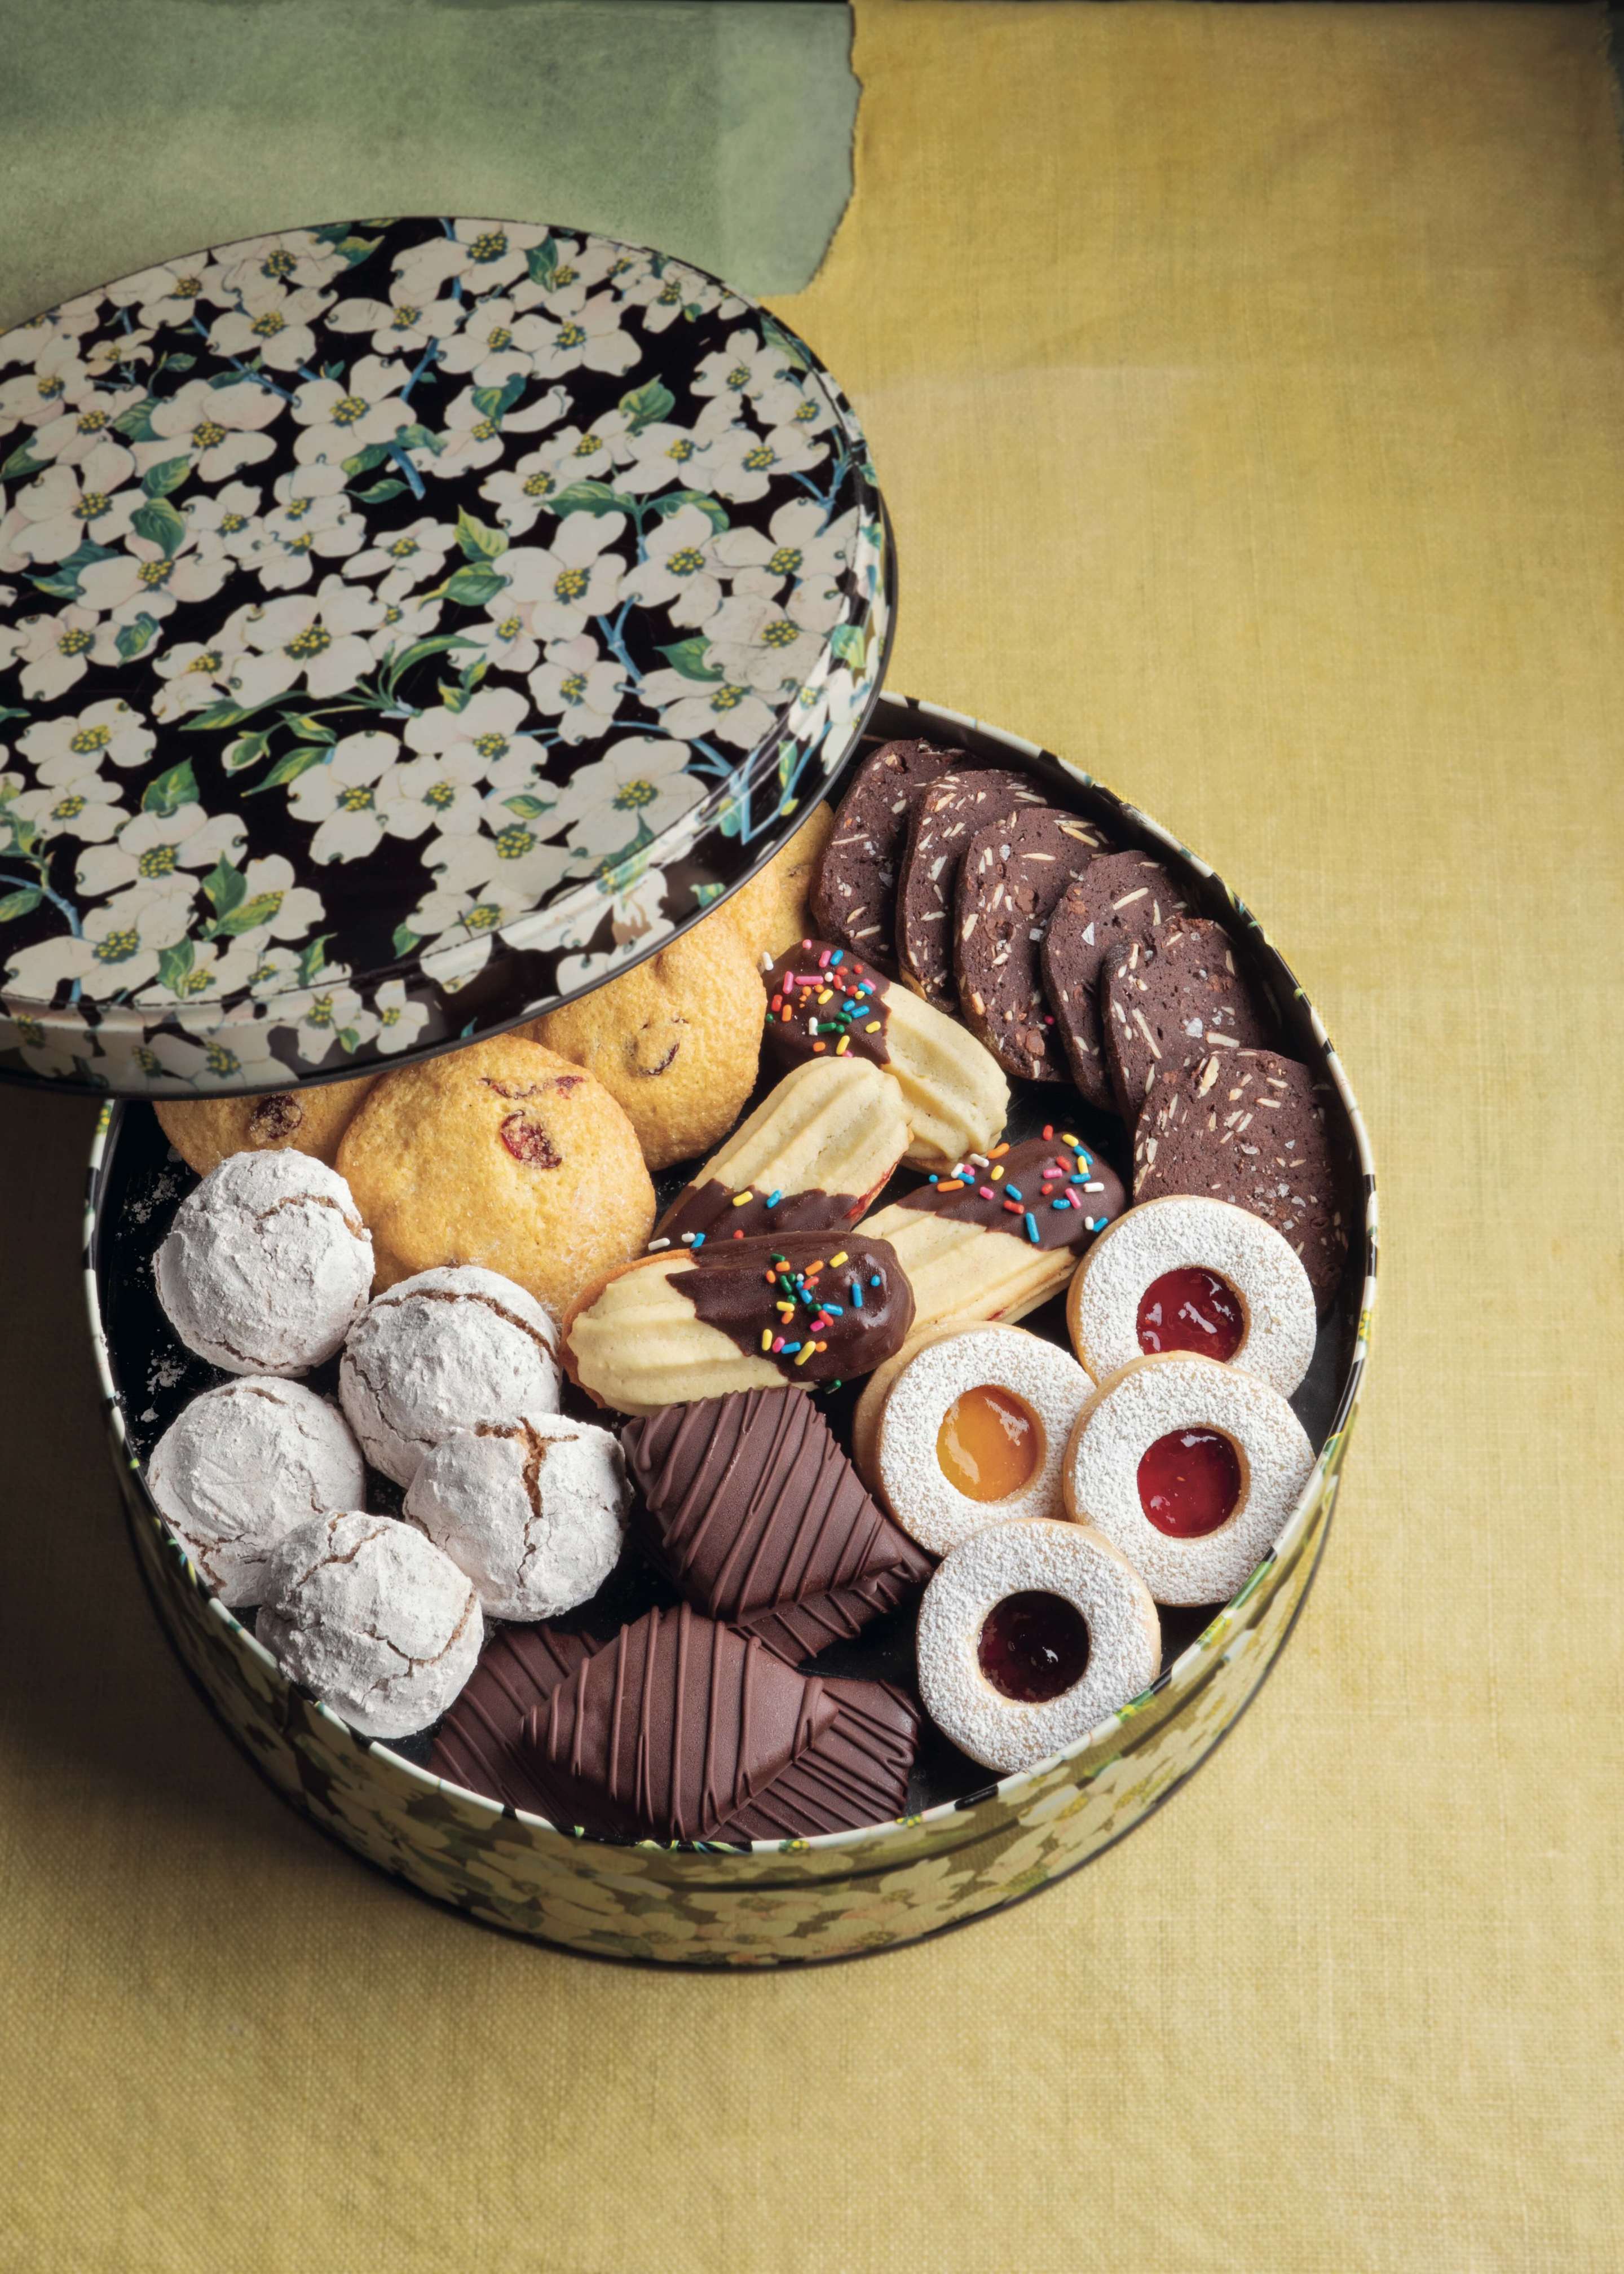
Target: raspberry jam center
column 1034, row 1646
column 1191, row 1310
column 1189, row 1482
column 988, row 1443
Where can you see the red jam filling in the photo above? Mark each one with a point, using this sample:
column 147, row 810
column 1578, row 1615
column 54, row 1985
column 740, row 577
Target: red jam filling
column 1190, row 1481
column 1191, row 1310
column 1034, row 1646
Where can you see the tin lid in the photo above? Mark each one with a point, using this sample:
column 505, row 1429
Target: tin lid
column 405, row 625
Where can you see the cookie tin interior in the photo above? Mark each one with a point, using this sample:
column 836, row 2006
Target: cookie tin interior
column 405, row 625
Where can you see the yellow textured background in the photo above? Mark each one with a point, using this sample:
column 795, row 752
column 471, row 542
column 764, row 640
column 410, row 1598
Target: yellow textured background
column 1247, row 384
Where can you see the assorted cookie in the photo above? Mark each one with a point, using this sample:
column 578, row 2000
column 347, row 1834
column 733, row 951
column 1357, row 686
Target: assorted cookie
column 474, row 1238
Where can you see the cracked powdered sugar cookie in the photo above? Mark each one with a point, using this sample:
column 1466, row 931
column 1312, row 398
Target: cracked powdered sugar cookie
column 373, row 1619
column 460, row 1348
column 244, row 1463
column 533, row 1510
column 1012, row 878
column 205, row 1130
column 266, row 1264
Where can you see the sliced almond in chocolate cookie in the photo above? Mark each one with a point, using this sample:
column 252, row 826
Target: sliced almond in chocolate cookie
column 1119, row 897
column 853, row 891
column 945, row 819
column 1170, row 1000
column 1013, row 876
column 1248, row 1127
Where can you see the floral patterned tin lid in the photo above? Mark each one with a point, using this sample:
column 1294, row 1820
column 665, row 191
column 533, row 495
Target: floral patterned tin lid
column 403, row 625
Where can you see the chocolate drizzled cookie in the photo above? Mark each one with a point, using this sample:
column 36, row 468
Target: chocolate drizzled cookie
column 477, row 1745
column 1013, row 876
column 853, row 891
column 855, row 1775
column 1120, row 897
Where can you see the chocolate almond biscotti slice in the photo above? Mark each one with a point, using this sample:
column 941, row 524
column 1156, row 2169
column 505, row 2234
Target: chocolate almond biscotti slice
column 1014, row 878
column 945, row 819
column 854, row 889
column 1248, row 1127
column 756, row 1514
column 1118, row 898
column 1170, row 1000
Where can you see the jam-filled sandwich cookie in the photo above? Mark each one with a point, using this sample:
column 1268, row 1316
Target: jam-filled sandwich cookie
column 1030, row 1635
column 675, row 1041
column 854, row 889
column 824, row 1002
column 1248, row 1127
column 1014, row 876
column 1120, row 898
column 773, row 911
column 972, row 1431
column 1188, row 1274
column 692, row 1322
column 203, row 1130
column 944, row 820
column 812, row 1155
column 1004, row 1232
column 501, row 1153
column 1168, row 1001
column 1190, row 1468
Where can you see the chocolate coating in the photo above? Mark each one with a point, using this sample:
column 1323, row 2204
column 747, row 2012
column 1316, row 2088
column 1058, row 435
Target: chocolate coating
column 1041, row 1171
column 755, row 1512
column 1013, row 876
column 1118, row 898
column 477, row 1745
column 855, row 1774
column 678, row 1724
column 853, row 893
column 945, row 819
column 1168, row 1001
column 801, row 1025
column 716, row 1209
column 738, row 1285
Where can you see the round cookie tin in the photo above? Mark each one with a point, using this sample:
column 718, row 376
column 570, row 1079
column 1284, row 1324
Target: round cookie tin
column 404, row 624
column 842, row 1894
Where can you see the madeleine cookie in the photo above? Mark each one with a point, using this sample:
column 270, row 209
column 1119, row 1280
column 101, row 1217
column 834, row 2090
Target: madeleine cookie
column 1004, row 1232
column 1014, row 876
column 1030, row 1635
column 1119, row 897
column 943, row 821
column 1249, row 1128
column 502, row 1154
column 1169, row 1000
column 1191, row 1273
column 1190, row 1468
column 771, row 912
column 974, row 1431
column 203, row 1130
column 697, row 1322
column 822, row 1000
column 675, row 1041
column 812, row 1156
column 854, row 889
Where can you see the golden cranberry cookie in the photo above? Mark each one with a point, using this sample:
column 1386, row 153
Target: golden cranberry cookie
column 204, row 1131
column 674, row 1040
column 771, row 912
column 502, row 1154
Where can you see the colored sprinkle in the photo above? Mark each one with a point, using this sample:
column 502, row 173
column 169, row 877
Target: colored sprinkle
column 951, row 1185
column 803, row 1353
column 1032, row 1228
column 687, row 1239
column 777, row 1344
column 855, row 1292
column 986, row 1192
column 843, row 1045
column 741, row 1198
column 997, row 1152
column 774, row 1198
column 656, row 1245
column 1093, row 1188
column 873, row 1026
column 873, row 1278
column 837, row 957
column 1014, row 1192
column 766, row 1338
column 1066, row 1137
column 835, row 1262
column 699, row 1239
column 1048, row 1133
column 995, row 1174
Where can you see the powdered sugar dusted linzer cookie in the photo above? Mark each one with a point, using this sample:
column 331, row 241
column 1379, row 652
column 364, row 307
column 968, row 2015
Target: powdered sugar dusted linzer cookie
column 1013, row 876
column 854, row 891
column 1120, row 897
column 945, row 819
column 1168, row 1001
column 696, row 1322
column 1248, row 1127
column 823, row 1000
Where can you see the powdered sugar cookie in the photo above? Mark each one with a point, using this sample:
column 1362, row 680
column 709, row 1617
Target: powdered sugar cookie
column 1029, row 1635
column 973, row 1432
column 1191, row 1273
column 204, row 1131
column 1190, row 1468
column 533, row 1510
column 266, row 1264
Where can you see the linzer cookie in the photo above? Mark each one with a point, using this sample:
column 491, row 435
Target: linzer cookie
column 945, row 819
column 1169, row 1000
column 812, row 1156
column 1013, row 876
column 678, row 1722
column 823, row 1001
column 854, row 1773
column 703, row 1321
column 1004, row 1232
column 854, row 889
column 1120, row 897
column 756, row 1514
column 478, row 1745
column 1248, row 1127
